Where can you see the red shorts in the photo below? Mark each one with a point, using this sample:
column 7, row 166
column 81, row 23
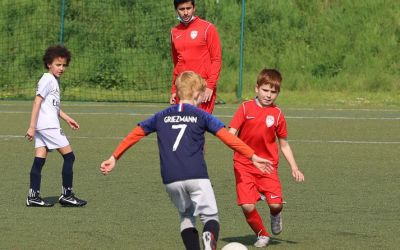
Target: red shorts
column 206, row 106
column 250, row 184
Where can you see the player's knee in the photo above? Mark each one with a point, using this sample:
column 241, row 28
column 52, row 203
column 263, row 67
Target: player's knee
column 247, row 208
column 69, row 158
column 275, row 208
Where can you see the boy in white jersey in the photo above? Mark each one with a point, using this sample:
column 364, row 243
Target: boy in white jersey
column 45, row 128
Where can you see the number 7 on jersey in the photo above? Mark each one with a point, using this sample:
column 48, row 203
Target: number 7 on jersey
column 182, row 128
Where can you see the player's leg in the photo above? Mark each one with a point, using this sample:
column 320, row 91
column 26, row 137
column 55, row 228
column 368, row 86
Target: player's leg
column 203, row 199
column 247, row 196
column 210, row 231
column 34, row 199
column 181, row 200
column 276, row 218
column 271, row 188
column 189, row 233
column 67, row 197
column 255, row 222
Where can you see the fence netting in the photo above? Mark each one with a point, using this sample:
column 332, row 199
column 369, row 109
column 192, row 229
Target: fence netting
column 120, row 48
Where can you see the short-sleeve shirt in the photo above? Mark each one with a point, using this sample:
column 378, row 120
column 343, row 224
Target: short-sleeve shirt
column 259, row 127
column 180, row 135
column 49, row 89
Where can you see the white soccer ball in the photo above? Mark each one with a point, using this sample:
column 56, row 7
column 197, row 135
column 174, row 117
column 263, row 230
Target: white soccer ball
column 234, row 246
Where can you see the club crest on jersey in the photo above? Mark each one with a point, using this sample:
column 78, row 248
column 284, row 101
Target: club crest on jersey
column 270, row 121
column 193, row 34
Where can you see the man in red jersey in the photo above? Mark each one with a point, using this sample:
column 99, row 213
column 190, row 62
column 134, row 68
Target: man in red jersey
column 260, row 123
column 195, row 46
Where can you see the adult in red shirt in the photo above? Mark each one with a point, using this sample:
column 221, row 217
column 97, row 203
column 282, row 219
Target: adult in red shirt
column 260, row 124
column 195, row 46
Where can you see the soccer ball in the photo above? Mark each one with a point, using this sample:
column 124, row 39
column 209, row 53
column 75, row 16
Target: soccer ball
column 234, row 246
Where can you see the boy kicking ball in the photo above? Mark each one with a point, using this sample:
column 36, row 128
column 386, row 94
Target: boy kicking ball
column 180, row 134
column 45, row 128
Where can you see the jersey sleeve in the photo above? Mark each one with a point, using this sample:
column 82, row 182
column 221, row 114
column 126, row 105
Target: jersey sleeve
column 43, row 87
column 238, row 118
column 213, row 123
column 234, row 143
column 214, row 48
column 281, row 129
column 149, row 125
column 174, row 56
column 132, row 138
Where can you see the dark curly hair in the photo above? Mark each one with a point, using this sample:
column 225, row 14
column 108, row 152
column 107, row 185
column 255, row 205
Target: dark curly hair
column 56, row 51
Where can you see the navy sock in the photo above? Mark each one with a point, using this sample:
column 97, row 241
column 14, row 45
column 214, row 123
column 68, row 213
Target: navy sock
column 213, row 227
column 67, row 173
column 36, row 176
column 190, row 238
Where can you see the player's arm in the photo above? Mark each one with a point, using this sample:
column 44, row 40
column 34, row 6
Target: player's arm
column 174, row 56
column 214, row 48
column 30, row 133
column 71, row 122
column 132, row 138
column 288, row 153
column 238, row 145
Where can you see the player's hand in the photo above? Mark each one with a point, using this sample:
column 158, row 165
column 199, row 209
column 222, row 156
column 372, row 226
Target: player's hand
column 297, row 175
column 107, row 166
column 30, row 134
column 207, row 95
column 172, row 99
column 263, row 164
column 73, row 124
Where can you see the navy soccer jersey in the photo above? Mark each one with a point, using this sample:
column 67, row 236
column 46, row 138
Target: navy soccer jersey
column 180, row 135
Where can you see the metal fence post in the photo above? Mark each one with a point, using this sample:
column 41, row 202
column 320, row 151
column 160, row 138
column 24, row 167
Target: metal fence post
column 62, row 21
column 241, row 58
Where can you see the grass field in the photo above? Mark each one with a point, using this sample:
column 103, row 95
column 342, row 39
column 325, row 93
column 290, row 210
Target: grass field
column 350, row 200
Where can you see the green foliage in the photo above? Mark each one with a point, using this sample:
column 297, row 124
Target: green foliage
column 124, row 44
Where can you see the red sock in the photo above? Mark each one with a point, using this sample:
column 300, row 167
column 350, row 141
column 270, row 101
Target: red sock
column 255, row 222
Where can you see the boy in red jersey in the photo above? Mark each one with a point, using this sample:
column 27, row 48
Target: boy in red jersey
column 259, row 122
column 195, row 46
column 180, row 132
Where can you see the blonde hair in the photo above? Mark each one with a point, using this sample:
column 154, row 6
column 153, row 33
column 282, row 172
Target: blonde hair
column 187, row 83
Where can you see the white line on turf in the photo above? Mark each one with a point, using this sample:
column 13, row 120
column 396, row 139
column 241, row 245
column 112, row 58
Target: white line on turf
column 211, row 139
column 221, row 116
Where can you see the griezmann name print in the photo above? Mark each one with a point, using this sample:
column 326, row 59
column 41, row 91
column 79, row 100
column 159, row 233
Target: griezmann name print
column 178, row 119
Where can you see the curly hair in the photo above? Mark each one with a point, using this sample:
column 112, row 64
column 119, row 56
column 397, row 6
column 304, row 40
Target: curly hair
column 54, row 52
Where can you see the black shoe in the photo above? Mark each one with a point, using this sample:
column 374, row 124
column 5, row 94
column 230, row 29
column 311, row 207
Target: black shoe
column 37, row 202
column 71, row 201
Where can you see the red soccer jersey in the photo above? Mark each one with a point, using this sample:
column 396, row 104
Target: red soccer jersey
column 259, row 127
column 196, row 47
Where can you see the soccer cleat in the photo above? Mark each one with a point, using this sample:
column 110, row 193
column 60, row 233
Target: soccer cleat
column 37, row 202
column 71, row 201
column 276, row 224
column 209, row 241
column 262, row 241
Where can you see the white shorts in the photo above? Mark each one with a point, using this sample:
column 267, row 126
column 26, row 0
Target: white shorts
column 52, row 138
column 195, row 193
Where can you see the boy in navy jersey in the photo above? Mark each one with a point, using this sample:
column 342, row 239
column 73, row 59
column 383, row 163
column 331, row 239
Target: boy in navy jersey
column 180, row 134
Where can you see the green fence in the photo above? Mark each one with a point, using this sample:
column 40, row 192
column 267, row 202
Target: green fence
column 120, row 48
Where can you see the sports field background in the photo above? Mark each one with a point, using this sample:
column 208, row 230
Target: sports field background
column 350, row 199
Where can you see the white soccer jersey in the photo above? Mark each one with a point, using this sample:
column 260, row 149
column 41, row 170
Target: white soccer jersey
column 49, row 89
